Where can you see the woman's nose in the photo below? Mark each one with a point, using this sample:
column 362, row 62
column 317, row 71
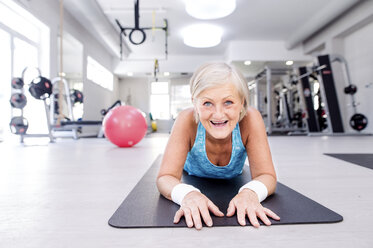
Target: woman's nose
column 219, row 111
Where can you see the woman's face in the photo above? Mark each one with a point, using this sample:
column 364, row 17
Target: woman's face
column 219, row 109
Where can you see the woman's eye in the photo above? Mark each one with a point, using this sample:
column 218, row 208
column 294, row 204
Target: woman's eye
column 228, row 102
column 207, row 104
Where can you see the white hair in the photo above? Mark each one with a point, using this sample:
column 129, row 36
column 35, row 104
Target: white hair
column 218, row 73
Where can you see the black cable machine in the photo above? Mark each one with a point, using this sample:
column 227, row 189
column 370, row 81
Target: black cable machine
column 327, row 118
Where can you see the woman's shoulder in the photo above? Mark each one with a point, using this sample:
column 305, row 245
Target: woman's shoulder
column 186, row 121
column 186, row 117
column 252, row 116
column 250, row 122
column 185, row 127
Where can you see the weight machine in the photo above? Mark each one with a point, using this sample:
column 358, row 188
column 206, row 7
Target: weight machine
column 68, row 127
column 277, row 106
column 326, row 119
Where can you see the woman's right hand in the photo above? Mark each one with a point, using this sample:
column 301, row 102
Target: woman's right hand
column 195, row 205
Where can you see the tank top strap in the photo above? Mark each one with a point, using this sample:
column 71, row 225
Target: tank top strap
column 200, row 135
column 236, row 137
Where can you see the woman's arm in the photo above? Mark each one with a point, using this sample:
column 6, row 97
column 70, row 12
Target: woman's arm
column 258, row 152
column 175, row 153
column 193, row 204
column 247, row 201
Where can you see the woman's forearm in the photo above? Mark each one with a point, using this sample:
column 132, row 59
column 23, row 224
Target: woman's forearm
column 165, row 185
column 269, row 180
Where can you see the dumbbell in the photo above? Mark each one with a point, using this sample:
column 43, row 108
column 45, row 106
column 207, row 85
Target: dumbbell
column 358, row 122
column 40, row 88
column 18, row 100
column 351, row 89
column 18, row 125
column 17, row 83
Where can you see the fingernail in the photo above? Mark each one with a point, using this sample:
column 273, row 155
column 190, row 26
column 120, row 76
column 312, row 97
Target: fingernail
column 209, row 223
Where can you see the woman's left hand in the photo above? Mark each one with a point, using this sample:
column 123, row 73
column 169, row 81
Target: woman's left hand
column 247, row 203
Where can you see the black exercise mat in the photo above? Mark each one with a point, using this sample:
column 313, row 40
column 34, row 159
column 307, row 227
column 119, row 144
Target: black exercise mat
column 362, row 159
column 145, row 207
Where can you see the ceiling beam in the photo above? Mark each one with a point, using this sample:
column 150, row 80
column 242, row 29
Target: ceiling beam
column 322, row 18
column 91, row 16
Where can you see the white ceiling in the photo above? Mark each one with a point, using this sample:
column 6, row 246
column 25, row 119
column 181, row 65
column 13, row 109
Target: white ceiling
column 253, row 20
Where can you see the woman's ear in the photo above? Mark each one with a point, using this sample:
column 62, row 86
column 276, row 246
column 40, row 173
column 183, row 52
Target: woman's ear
column 195, row 109
column 194, row 101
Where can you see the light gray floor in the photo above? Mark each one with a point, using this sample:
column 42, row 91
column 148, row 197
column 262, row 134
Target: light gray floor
column 62, row 195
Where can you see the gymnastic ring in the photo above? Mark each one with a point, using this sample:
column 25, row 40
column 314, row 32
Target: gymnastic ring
column 143, row 36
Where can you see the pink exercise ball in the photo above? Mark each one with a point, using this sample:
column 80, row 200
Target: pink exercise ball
column 124, row 126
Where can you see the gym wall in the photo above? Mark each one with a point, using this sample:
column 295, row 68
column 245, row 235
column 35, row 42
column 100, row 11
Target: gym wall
column 350, row 36
column 174, row 63
column 96, row 97
column 357, row 46
column 135, row 91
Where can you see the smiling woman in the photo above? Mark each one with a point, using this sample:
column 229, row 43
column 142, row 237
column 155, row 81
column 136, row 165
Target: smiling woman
column 219, row 74
column 212, row 140
column 218, row 109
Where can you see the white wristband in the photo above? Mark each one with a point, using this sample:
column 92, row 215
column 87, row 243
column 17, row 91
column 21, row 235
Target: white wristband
column 180, row 191
column 258, row 187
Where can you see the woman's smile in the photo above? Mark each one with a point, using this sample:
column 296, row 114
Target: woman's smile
column 219, row 123
column 219, row 110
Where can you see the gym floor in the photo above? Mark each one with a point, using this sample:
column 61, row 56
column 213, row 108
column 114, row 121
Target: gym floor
column 62, row 195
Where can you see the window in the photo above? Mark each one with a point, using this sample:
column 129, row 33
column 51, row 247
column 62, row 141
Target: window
column 5, row 78
column 160, row 100
column 19, row 20
column 24, row 42
column 26, row 55
column 99, row 74
column 180, row 98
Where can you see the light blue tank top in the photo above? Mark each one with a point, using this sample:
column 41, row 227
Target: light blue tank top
column 198, row 164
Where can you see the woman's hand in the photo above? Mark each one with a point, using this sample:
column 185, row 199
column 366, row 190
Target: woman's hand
column 195, row 205
column 246, row 202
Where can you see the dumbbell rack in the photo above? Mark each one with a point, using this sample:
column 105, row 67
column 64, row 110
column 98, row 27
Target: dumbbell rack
column 20, row 90
column 18, row 123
